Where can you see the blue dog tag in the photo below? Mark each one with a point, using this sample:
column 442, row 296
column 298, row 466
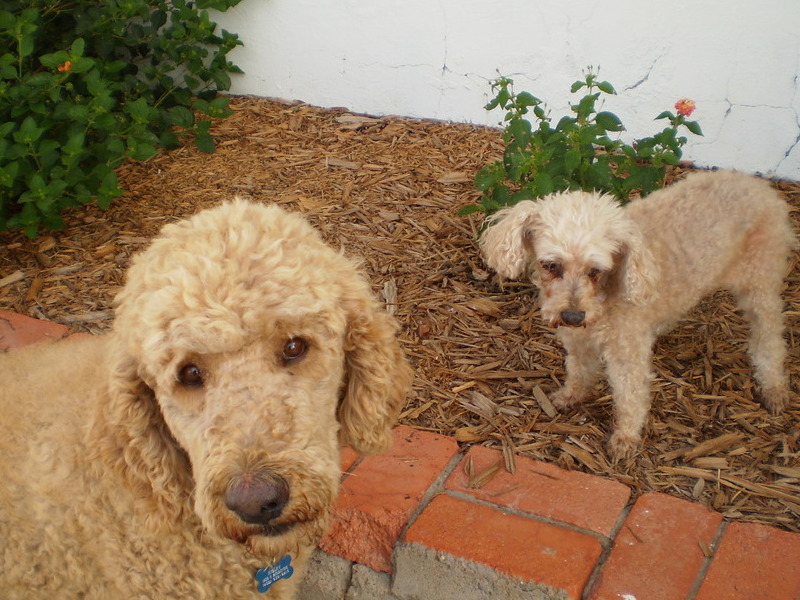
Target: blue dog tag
column 267, row 576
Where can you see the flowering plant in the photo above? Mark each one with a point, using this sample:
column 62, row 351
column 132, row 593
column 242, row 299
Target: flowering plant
column 577, row 152
column 86, row 84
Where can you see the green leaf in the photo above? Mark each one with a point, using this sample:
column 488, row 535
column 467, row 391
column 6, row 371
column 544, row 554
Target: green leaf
column 53, row 221
column 8, row 174
column 599, row 176
column 113, row 148
column 202, row 126
column 8, row 69
column 501, row 196
column 525, row 99
column 7, row 21
column 609, row 121
column 526, row 193
column 607, row 144
column 606, row 87
column 48, row 153
column 544, row 184
column 6, row 128
column 26, row 45
column 158, row 18
column 140, row 111
column 181, row 116
column 28, row 131
column 36, row 184
column 694, row 127
column 109, row 189
column 585, row 106
column 565, row 124
column 571, row 160
column 81, row 65
column 488, row 176
column 74, row 144
column 78, row 112
column 514, row 161
column 204, row 142
column 222, row 80
column 671, row 158
column 218, row 107
column 469, row 209
column 138, row 150
column 169, row 140
column 503, row 97
column 54, row 60
column 77, row 48
column 665, row 115
column 520, row 130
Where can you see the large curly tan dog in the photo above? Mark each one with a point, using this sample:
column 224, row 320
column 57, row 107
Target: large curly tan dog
column 198, row 442
column 612, row 279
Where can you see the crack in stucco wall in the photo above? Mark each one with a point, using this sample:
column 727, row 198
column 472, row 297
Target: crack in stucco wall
column 796, row 143
column 644, row 79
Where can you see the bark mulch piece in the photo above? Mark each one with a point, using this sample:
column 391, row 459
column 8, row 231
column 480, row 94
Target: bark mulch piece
column 387, row 190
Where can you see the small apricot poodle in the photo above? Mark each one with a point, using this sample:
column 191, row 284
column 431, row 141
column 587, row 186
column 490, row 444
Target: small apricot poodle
column 612, row 279
column 198, row 441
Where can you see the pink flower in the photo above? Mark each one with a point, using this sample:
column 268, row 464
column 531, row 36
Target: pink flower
column 685, row 107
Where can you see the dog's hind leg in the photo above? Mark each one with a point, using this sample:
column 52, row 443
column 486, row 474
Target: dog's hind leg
column 756, row 282
column 767, row 347
column 583, row 368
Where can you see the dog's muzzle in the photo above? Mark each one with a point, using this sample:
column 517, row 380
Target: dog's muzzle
column 573, row 318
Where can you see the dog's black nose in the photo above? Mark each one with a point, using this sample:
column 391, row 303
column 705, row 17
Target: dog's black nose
column 573, row 318
column 258, row 499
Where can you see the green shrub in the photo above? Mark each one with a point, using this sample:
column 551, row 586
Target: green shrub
column 578, row 152
column 86, row 84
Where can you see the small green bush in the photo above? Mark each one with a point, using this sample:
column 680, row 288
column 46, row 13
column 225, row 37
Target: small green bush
column 578, row 152
column 86, row 84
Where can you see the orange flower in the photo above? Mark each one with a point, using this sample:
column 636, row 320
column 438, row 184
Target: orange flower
column 66, row 66
column 685, row 107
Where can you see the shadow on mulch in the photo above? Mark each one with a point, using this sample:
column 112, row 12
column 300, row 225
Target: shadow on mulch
column 387, row 191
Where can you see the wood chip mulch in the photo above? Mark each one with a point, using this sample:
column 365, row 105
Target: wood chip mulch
column 387, row 190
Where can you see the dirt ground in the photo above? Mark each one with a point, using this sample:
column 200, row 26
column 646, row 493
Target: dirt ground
column 388, row 191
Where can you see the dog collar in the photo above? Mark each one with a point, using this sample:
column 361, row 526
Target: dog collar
column 267, row 576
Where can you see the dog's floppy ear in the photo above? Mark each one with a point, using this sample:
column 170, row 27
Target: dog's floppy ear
column 638, row 270
column 134, row 437
column 377, row 377
column 507, row 242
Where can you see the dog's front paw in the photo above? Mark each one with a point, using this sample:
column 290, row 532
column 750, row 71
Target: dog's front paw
column 565, row 398
column 623, row 445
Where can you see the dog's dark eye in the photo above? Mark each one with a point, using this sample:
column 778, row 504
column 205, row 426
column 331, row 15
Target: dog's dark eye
column 553, row 268
column 594, row 274
column 294, row 349
column 190, row 375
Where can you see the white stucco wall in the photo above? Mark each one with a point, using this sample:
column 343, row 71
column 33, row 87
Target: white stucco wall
column 738, row 59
